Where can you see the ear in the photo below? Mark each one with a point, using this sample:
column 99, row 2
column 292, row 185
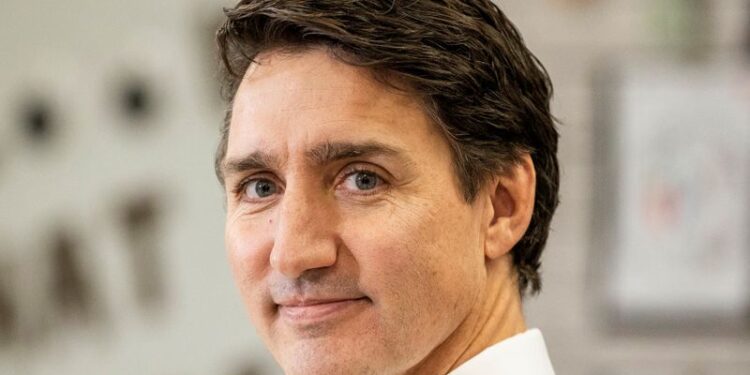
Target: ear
column 510, row 206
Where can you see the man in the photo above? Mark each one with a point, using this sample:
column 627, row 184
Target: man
column 390, row 171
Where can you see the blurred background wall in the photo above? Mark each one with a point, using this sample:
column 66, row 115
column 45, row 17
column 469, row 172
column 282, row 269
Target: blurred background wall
column 111, row 221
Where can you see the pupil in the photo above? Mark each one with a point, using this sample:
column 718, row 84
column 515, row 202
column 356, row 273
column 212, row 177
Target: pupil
column 264, row 188
column 366, row 181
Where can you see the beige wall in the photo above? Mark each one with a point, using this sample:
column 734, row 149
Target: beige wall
column 75, row 54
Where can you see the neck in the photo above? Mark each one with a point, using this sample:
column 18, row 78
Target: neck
column 497, row 316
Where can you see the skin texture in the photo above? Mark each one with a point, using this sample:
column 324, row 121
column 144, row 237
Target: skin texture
column 343, row 272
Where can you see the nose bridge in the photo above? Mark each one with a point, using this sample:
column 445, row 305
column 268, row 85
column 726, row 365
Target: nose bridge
column 298, row 213
column 305, row 235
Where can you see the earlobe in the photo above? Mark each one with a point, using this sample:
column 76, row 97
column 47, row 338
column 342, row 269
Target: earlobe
column 510, row 207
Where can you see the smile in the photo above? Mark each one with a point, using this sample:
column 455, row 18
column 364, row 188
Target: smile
column 318, row 311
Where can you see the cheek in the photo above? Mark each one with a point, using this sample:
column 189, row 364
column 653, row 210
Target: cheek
column 248, row 247
column 419, row 258
column 417, row 264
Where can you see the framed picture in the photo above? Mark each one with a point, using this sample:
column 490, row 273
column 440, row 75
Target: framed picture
column 671, row 246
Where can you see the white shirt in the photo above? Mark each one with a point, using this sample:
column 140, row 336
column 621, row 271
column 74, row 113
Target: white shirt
column 522, row 354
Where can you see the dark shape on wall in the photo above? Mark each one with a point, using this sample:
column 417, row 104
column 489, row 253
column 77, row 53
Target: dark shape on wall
column 37, row 119
column 208, row 21
column 8, row 308
column 72, row 291
column 136, row 99
column 140, row 219
column 247, row 369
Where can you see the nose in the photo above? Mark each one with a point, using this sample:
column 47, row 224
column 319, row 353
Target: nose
column 305, row 235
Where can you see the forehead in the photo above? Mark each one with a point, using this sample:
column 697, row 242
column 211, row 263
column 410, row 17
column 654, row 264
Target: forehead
column 288, row 101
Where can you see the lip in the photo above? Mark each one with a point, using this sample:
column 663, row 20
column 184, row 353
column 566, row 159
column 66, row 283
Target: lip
column 317, row 311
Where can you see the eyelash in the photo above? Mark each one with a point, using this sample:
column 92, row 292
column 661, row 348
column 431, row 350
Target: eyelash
column 239, row 190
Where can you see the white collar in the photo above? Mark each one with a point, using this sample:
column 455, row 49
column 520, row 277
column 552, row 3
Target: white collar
column 522, row 354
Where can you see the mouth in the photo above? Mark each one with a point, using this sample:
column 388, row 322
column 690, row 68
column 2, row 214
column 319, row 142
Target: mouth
column 309, row 312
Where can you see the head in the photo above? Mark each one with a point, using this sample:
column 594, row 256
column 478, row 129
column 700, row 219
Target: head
column 379, row 158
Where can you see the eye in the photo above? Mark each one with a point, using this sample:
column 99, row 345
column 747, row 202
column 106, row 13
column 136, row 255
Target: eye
column 362, row 180
column 260, row 188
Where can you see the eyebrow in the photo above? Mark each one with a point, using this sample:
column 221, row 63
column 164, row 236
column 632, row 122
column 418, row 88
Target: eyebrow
column 319, row 155
column 254, row 160
column 334, row 151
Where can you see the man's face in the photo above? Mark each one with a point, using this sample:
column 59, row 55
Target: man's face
column 348, row 236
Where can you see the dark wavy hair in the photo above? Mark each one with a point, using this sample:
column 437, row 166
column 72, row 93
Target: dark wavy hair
column 463, row 58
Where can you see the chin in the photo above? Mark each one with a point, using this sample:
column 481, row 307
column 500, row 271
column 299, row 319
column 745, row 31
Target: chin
column 329, row 369
column 343, row 354
column 320, row 361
